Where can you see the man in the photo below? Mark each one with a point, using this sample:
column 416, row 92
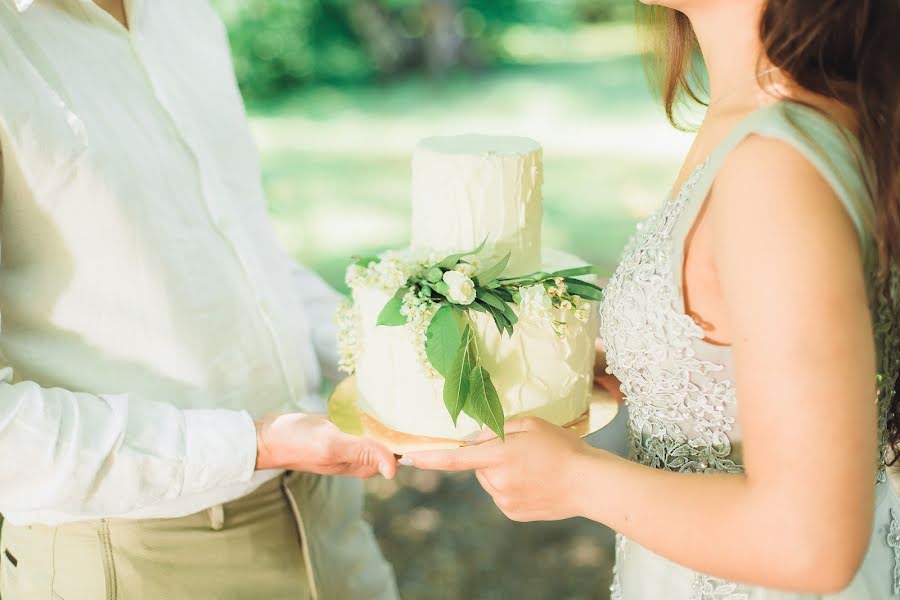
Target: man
column 148, row 316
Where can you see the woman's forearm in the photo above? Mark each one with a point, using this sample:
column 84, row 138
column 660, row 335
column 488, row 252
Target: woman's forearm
column 715, row 523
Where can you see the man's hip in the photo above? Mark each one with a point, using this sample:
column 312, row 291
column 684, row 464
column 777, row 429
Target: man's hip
column 297, row 536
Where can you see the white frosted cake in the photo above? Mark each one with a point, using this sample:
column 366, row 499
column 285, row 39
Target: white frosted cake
column 507, row 324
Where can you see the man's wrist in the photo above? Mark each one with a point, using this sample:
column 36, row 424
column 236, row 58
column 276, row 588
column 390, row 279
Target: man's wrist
column 263, row 455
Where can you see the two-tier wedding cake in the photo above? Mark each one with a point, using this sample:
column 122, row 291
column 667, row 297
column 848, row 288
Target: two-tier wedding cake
column 474, row 323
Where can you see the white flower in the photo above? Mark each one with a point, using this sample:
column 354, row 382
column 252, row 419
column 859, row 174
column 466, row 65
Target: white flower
column 347, row 336
column 418, row 312
column 535, row 305
column 581, row 313
column 466, row 269
column 462, row 290
column 354, row 275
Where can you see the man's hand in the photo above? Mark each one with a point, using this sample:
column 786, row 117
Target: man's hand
column 313, row 444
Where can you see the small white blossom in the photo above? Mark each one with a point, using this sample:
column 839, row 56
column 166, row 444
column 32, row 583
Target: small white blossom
column 582, row 314
column 419, row 312
column 348, row 343
column 462, row 289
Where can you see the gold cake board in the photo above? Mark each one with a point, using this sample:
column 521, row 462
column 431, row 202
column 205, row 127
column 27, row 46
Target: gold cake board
column 345, row 413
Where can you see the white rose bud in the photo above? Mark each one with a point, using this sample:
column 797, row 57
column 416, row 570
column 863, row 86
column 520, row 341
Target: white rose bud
column 462, row 290
column 466, row 269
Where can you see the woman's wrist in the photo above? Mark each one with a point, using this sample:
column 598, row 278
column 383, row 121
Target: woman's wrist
column 589, row 480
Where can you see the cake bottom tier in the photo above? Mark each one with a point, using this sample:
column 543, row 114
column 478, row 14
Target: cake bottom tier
column 536, row 371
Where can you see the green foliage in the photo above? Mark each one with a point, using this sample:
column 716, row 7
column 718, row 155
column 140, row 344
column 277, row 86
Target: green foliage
column 484, row 402
column 443, row 338
column 457, row 381
column 390, row 315
column 280, row 45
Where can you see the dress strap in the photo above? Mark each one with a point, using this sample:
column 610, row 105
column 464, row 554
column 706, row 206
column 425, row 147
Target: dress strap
column 833, row 150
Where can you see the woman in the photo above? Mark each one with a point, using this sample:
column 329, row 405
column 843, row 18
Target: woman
column 755, row 280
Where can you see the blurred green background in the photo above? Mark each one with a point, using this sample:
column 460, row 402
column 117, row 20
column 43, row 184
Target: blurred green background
column 339, row 92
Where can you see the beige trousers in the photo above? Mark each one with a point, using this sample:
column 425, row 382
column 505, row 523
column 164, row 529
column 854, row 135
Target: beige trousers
column 250, row 548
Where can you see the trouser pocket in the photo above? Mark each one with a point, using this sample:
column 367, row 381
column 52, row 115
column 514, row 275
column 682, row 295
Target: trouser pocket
column 82, row 562
column 26, row 562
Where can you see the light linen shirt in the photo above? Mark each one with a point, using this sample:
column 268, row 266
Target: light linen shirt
column 148, row 312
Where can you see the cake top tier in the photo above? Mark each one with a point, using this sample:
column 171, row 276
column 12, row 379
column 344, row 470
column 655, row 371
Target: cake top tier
column 476, row 144
column 471, row 188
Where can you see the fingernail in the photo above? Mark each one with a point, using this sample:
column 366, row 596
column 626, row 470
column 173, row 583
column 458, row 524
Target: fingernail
column 406, row 461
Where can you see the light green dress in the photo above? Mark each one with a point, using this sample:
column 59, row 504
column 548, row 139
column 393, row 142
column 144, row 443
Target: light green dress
column 681, row 390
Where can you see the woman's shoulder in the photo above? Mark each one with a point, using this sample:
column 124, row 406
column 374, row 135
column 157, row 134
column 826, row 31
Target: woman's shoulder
column 799, row 153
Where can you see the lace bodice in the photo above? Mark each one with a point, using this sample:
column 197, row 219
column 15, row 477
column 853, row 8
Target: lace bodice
column 679, row 389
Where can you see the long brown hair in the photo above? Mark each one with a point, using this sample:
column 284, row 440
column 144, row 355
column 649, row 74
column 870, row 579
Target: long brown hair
column 843, row 50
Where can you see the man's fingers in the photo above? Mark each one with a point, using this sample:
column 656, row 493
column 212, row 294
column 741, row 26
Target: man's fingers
column 361, row 451
column 466, row 458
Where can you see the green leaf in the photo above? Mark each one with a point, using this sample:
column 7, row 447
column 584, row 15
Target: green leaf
column 490, row 298
column 365, row 261
column 569, row 280
column 510, row 315
column 450, row 261
column 504, row 294
column 484, row 402
column 532, row 277
column 578, row 271
column 390, row 315
column 503, row 314
column 490, row 274
column 442, row 338
column 477, row 306
column 499, row 319
column 584, row 290
column 457, row 383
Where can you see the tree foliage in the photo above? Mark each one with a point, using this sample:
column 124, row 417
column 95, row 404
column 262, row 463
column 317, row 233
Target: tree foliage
column 283, row 44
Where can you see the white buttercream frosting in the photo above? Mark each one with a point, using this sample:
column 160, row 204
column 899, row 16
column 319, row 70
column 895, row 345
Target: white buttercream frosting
column 536, row 371
column 469, row 188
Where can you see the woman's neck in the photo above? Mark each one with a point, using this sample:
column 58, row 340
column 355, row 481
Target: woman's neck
column 728, row 33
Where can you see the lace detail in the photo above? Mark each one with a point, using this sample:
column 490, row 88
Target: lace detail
column 893, row 540
column 710, row 588
column 615, row 590
column 679, row 409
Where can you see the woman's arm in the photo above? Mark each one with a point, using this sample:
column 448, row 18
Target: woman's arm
column 799, row 518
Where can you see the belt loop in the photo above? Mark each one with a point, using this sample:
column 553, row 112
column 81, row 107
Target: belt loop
column 216, row 517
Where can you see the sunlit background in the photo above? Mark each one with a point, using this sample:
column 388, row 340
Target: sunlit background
column 339, row 92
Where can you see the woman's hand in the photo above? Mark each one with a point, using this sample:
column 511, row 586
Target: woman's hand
column 533, row 476
column 314, row 444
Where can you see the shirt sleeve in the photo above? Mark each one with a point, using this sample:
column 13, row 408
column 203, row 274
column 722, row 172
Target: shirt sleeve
column 95, row 456
column 320, row 303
